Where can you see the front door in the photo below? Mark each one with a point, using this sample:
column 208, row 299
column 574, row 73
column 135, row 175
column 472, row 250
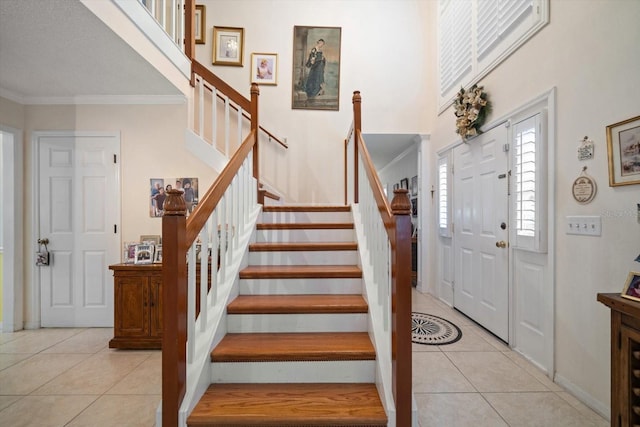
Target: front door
column 79, row 211
column 480, row 206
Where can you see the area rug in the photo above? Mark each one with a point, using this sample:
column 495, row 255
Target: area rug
column 433, row 330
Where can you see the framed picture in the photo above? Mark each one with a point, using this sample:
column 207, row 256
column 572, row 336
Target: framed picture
column 228, row 46
column 631, row 288
column 316, row 68
column 157, row 256
column 144, row 254
column 396, row 186
column 623, row 149
column 414, row 207
column 158, row 194
column 129, row 253
column 200, row 23
column 414, row 186
column 404, row 183
column 264, row 68
column 152, row 239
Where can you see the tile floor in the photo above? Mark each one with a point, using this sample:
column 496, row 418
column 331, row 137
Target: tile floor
column 69, row 377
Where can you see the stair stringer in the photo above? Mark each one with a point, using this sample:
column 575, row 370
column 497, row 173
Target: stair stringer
column 204, row 151
column 380, row 337
column 199, row 371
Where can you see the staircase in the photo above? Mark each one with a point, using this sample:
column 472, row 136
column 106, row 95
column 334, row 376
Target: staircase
column 297, row 349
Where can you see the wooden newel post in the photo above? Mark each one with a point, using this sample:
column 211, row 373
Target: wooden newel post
column 357, row 129
column 174, row 306
column 255, row 125
column 401, row 307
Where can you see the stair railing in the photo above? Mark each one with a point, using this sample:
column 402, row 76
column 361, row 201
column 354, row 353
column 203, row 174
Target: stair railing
column 202, row 254
column 387, row 241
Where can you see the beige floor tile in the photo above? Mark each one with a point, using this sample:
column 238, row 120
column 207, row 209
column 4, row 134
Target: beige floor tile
column 5, row 337
column 10, row 359
column 536, row 410
column 37, row 340
column 493, row 371
column 116, row 410
column 95, row 375
column 417, row 348
column 88, row 341
column 26, row 376
column 490, row 338
column 470, row 341
column 456, row 410
column 533, row 370
column 8, row 400
column 587, row 412
column 145, row 378
column 434, row 373
column 44, row 411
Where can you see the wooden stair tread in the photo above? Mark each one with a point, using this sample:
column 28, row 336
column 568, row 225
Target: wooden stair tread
column 314, row 404
column 305, row 226
column 307, row 208
column 293, row 346
column 289, row 304
column 300, row 271
column 303, row 246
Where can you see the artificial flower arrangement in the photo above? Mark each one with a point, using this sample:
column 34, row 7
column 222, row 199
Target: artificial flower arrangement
column 471, row 109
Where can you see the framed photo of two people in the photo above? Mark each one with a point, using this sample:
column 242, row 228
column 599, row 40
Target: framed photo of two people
column 316, row 68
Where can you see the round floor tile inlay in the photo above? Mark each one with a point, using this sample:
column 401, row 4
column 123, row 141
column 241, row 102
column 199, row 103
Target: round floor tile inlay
column 433, row 330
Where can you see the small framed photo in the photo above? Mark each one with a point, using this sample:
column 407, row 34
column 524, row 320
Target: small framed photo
column 228, row 46
column 144, row 254
column 396, row 186
column 129, row 252
column 414, row 186
column 157, row 256
column 623, row 150
column 631, row 288
column 152, row 239
column 264, row 68
column 404, row 183
column 414, row 207
column 200, row 24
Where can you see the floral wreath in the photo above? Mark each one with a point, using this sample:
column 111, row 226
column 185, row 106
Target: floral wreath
column 471, row 109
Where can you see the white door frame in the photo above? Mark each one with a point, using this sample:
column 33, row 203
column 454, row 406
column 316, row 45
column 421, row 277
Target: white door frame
column 35, row 320
column 548, row 100
column 13, row 227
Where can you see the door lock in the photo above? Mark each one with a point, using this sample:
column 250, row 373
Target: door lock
column 501, row 244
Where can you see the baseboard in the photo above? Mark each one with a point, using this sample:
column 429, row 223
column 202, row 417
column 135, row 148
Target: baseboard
column 600, row 408
column 32, row 325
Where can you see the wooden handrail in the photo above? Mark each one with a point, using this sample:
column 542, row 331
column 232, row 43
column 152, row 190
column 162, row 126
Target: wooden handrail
column 234, row 95
column 397, row 222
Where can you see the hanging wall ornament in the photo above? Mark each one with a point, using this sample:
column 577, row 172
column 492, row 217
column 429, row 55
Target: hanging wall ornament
column 471, row 108
column 585, row 149
column 584, row 188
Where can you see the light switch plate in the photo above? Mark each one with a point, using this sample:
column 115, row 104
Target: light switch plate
column 584, row 225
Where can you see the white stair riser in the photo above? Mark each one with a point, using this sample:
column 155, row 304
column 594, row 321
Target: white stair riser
column 300, row 286
column 316, row 322
column 304, row 258
column 305, row 217
column 305, row 235
column 345, row 371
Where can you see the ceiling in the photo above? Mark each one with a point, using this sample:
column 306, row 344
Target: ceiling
column 383, row 148
column 58, row 49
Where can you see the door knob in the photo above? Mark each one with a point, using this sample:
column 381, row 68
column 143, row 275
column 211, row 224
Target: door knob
column 501, row 244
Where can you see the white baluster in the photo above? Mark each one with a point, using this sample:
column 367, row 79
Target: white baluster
column 204, row 276
column 201, row 107
column 191, row 302
column 227, row 111
column 214, row 117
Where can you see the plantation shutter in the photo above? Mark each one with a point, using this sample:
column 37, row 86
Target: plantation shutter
column 455, row 43
column 497, row 19
column 444, row 204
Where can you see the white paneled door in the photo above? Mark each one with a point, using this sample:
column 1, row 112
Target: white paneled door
column 481, row 254
column 79, row 212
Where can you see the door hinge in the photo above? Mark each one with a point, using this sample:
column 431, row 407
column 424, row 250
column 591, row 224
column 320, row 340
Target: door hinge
column 505, row 147
column 115, row 229
column 453, row 227
column 115, row 159
column 451, row 169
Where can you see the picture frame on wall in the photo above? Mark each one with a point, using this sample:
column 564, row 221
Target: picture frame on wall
column 631, row 288
column 200, row 24
column 316, row 68
column 414, row 186
column 623, row 150
column 158, row 193
column 404, row 183
column 228, row 46
column 264, row 68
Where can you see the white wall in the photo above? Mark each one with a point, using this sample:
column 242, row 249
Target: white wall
column 587, row 53
column 382, row 55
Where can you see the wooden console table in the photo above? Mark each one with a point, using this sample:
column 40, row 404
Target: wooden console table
column 625, row 359
column 137, row 306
